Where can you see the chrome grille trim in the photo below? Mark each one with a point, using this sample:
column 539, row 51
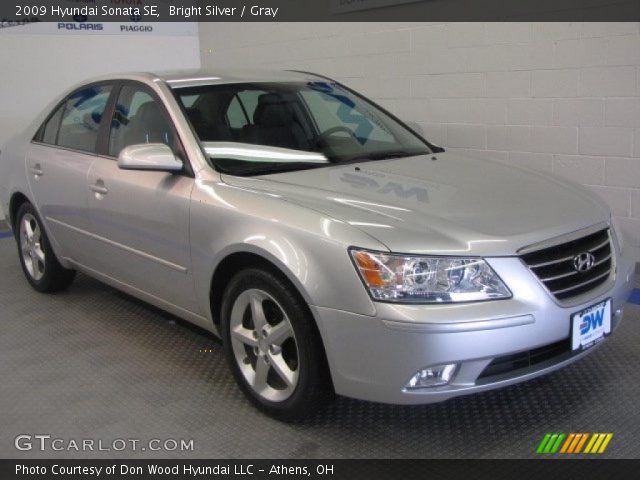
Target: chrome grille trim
column 548, row 279
column 553, row 265
column 605, row 274
column 570, row 257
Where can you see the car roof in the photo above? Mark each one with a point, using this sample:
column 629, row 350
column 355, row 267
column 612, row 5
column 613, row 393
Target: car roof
column 191, row 78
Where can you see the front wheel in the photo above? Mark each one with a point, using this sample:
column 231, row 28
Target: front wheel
column 273, row 347
column 39, row 263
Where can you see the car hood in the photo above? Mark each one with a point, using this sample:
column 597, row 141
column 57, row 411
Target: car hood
column 442, row 204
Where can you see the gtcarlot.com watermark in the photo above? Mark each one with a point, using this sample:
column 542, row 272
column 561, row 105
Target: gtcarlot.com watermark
column 49, row 443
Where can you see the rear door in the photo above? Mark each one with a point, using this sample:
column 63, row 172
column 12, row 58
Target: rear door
column 58, row 164
column 141, row 218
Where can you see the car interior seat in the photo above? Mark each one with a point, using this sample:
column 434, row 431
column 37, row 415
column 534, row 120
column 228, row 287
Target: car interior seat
column 274, row 124
column 148, row 125
column 209, row 131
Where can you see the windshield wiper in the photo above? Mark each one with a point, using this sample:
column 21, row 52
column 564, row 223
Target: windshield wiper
column 382, row 156
column 275, row 168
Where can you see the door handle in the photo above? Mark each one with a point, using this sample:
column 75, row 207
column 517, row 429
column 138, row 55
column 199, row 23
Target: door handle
column 99, row 188
column 36, row 170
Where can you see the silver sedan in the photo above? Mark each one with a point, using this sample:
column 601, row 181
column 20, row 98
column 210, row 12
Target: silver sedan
column 331, row 246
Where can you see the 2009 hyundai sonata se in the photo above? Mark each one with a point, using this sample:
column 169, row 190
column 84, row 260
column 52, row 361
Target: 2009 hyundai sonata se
column 330, row 246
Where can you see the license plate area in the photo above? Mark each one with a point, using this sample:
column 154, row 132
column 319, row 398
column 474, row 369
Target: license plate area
column 591, row 325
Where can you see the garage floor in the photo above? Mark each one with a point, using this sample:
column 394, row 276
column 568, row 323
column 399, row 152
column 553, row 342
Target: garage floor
column 95, row 363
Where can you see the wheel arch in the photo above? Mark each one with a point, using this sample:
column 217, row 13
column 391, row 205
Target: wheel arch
column 236, row 261
column 239, row 260
column 17, row 200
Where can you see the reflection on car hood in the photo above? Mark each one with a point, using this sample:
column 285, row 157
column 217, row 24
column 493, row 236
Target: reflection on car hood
column 451, row 205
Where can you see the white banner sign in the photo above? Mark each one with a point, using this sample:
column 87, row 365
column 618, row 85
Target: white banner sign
column 102, row 28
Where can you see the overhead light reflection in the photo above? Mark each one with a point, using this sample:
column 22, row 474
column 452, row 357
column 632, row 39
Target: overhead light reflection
column 468, row 249
column 366, row 224
column 259, row 153
column 283, row 255
column 254, row 238
column 212, row 192
column 349, row 201
column 195, row 79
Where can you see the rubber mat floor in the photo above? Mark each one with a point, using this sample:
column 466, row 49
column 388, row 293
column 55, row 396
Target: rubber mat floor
column 93, row 363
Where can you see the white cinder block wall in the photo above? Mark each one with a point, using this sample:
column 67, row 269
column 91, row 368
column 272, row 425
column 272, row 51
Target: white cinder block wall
column 561, row 97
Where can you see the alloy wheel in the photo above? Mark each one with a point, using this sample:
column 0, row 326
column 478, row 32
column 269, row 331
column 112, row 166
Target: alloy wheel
column 31, row 247
column 264, row 345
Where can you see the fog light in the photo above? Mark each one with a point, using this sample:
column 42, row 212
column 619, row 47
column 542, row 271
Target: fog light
column 432, row 376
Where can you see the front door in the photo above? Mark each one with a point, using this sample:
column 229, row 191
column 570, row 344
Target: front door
column 141, row 218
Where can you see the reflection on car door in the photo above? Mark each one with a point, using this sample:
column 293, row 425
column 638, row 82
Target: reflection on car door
column 141, row 218
column 58, row 164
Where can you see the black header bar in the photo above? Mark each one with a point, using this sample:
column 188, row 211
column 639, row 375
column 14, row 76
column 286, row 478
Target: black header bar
column 316, row 10
column 584, row 469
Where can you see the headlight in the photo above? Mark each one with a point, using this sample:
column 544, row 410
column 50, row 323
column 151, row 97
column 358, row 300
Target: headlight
column 417, row 279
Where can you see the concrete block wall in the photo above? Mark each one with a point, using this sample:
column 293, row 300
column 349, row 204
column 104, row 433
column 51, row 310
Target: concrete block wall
column 561, row 97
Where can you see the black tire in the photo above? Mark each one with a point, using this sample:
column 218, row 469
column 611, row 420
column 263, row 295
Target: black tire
column 54, row 277
column 314, row 388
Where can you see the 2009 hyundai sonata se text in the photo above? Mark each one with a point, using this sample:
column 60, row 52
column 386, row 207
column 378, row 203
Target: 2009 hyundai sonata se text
column 330, row 246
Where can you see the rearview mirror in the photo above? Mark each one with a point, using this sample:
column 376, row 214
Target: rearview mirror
column 149, row 156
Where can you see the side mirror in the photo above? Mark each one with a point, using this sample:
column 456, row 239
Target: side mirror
column 150, row 157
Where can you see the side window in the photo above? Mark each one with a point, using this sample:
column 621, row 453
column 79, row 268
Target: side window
column 138, row 118
column 50, row 129
column 188, row 101
column 236, row 117
column 81, row 118
column 242, row 107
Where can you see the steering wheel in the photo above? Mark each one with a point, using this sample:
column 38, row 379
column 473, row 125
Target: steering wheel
column 332, row 131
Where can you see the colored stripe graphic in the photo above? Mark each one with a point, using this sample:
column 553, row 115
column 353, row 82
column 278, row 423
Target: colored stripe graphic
column 556, row 446
column 543, row 443
column 577, row 438
column 598, row 443
column 567, row 444
column 635, row 296
column 596, row 446
column 573, row 443
column 550, row 443
column 581, row 442
column 591, row 443
column 605, row 443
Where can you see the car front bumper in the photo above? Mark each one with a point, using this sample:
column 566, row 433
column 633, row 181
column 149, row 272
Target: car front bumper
column 373, row 358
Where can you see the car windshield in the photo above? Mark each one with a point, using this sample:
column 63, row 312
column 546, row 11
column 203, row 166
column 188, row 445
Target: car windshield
column 261, row 128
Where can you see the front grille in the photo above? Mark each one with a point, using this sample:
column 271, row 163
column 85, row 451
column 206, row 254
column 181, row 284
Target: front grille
column 522, row 360
column 554, row 265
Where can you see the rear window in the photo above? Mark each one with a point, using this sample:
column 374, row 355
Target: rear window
column 50, row 130
column 81, row 119
column 76, row 122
